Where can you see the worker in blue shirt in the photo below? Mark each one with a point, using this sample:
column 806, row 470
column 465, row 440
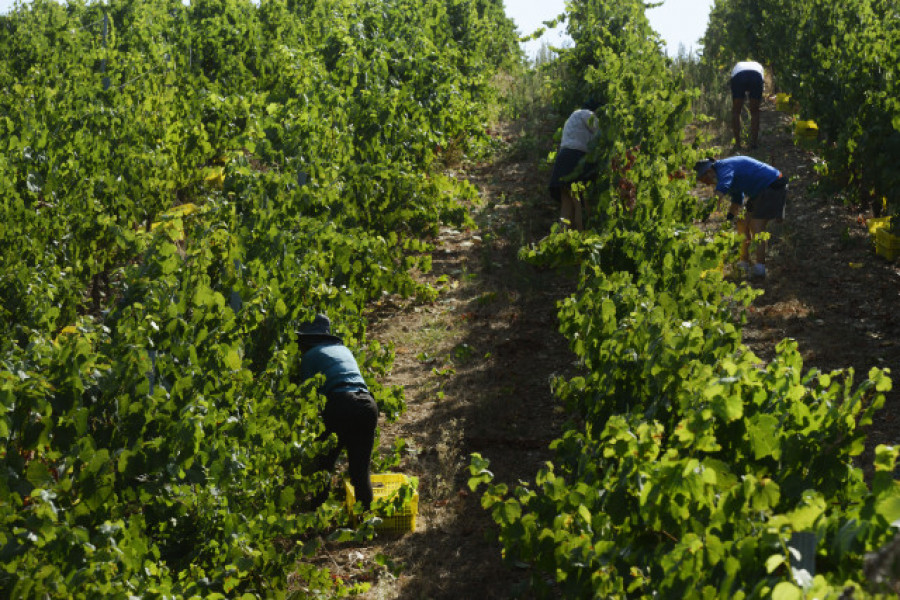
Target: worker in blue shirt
column 753, row 185
column 350, row 411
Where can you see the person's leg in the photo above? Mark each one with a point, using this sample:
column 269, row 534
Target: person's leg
column 336, row 417
column 757, row 226
column 577, row 212
column 754, row 122
column 768, row 205
column 564, row 169
column 743, row 227
column 754, row 86
column 360, row 442
column 325, row 463
column 737, row 106
column 567, row 207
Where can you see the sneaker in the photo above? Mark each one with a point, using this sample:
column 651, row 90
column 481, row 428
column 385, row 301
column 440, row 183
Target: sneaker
column 758, row 270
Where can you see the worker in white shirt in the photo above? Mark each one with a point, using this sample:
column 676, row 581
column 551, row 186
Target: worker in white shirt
column 572, row 163
column 746, row 81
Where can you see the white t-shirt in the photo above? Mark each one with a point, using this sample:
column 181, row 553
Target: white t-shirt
column 747, row 65
column 579, row 130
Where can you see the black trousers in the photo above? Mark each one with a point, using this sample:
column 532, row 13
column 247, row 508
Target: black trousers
column 352, row 416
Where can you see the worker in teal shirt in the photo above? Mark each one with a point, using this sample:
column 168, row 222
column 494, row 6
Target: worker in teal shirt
column 336, row 362
column 758, row 188
column 350, row 411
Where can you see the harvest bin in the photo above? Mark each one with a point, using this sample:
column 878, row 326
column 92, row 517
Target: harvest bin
column 887, row 244
column 876, row 223
column 384, row 487
column 806, row 130
column 783, row 103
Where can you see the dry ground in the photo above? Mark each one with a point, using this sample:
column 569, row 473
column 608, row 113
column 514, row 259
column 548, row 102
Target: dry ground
column 476, row 367
column 477, row 363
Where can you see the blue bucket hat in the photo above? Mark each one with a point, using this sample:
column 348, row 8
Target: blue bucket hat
column 703, row 166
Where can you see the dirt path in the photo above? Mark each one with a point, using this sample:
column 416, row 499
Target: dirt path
column 476, row 364
column 476, row 367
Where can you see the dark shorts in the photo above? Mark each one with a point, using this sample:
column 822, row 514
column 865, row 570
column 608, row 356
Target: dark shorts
column 747, row 82
column 569, row 168
column 770, row 203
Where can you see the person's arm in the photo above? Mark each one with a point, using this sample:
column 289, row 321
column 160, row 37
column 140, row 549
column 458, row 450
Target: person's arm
column 734, row 209
column 725, row 187
column 717, row 197
column 310, row 364
column 593, row 125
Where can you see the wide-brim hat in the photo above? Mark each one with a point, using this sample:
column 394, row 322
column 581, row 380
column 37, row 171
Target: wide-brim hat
column 703, row 166
column 317, row 330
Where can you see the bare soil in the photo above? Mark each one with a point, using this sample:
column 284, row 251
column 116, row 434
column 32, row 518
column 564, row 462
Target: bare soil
column 476, row 364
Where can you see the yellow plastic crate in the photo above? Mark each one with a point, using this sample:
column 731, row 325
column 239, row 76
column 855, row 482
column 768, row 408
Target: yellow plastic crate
column 876, row 223
column 783, row 102
column 384, row 487
column 807, row 130
column 887, row 244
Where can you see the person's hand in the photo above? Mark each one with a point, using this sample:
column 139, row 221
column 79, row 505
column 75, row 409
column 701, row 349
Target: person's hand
column 728, row 221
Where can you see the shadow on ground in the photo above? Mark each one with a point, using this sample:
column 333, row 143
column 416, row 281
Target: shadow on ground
column 477, row 367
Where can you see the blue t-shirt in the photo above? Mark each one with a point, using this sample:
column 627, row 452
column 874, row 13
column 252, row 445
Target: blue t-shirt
column 338, row 365
column 742, row 176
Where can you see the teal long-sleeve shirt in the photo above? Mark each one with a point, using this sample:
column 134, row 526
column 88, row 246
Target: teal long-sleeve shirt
column 336, row 362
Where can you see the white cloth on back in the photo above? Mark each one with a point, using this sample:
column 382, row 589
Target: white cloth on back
column 747, row 65
column 579, row 130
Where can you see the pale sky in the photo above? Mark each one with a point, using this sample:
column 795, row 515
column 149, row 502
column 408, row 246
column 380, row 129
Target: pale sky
column 678, row 21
